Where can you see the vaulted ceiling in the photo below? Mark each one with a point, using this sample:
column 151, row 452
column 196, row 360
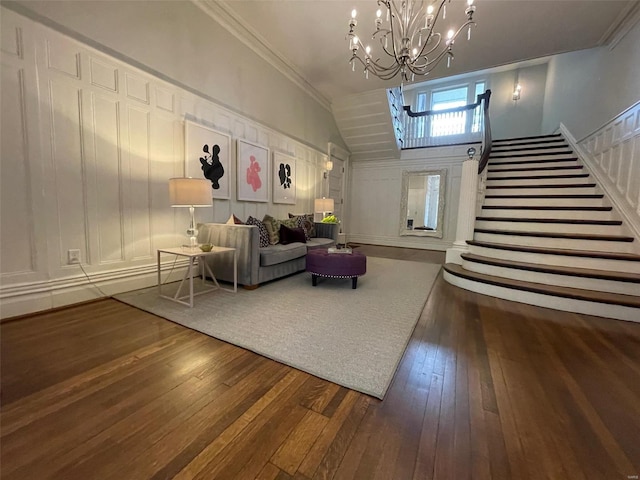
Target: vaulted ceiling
column 307, row 38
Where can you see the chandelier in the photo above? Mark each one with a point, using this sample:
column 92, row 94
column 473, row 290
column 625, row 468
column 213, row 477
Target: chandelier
column 408, row 37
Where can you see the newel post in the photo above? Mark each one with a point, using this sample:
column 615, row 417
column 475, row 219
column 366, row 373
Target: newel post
column 466, row 209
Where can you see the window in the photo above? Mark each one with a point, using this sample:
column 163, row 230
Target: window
column 476, row 124
column 449, row 123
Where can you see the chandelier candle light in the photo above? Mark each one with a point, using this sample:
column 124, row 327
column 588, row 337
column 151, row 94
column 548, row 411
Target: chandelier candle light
column 409, row 37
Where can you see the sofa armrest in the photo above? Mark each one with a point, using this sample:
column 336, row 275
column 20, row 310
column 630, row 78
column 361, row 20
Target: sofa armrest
column 327, row 230
column 245, row 239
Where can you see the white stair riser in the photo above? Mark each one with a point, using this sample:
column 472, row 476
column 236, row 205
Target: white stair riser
column 525, row 173
column 534, row 182
column 497, row 165
column 604, row 264
column 556, row 214
column 506, row 157
column 568, row 243
column 543, row 191
column 547, row 301
column 551, row 227
column 561, row 150
column 533, row 202
column 599, row 285
column 523, row 144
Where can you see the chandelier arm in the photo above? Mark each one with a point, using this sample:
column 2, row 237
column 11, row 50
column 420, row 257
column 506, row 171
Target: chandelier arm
column 414, row 21
column 436, row 17
column 430, row 65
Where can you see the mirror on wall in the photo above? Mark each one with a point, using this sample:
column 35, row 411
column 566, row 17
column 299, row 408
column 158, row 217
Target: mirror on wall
column 422, row 203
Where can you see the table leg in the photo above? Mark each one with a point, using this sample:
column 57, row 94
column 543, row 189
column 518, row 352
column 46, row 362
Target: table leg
column 159, row 277
column 235, row 271
column 191, row 282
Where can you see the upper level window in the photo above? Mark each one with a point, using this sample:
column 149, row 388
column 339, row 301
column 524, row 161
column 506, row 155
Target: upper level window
column 449, row 123
column 456, row 123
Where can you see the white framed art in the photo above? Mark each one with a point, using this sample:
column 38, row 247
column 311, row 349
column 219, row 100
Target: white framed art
column 253, row 172
column 208, row 155
column 284, row 179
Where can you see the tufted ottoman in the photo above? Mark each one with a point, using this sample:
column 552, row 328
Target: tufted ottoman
column 321, row 263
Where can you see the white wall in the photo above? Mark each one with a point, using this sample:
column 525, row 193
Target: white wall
column 181, row 43
column 374, row 195
column 88, row 145
column 588, row 88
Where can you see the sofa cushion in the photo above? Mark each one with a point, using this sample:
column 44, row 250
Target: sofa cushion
column 320, row 242
column 264, row 235
column 290, row 235
column 274, row 254
column 233, row 220
column 273, row 227
column 306, row 222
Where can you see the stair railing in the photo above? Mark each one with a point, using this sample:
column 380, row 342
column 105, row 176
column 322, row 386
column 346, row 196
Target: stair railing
column 465, row 124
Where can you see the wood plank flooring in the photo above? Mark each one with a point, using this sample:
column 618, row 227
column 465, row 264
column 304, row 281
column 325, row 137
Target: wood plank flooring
column 487, row 389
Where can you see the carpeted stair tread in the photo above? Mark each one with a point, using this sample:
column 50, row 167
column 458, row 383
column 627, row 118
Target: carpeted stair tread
column 540, row 177
column 550, row 220
column 548, row 208
column 526, row 162
column 557, row 251
column 572, row 236
column 550, row 185
column 555, row 270
column 566, row 292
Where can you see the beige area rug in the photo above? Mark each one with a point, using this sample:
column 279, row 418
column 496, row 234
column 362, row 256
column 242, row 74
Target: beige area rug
column 354, row 338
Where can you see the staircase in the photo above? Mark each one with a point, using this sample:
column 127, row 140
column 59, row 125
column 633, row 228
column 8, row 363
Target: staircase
column 547, row 236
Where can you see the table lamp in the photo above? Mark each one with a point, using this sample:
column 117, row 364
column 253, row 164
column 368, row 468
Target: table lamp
column 190, row 192
column 322, row 206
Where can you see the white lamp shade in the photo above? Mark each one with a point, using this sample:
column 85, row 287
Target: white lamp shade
column 190, row 192
column 323, row 205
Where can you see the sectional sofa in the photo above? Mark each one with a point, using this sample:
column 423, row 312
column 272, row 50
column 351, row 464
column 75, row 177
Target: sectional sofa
column 258, row 264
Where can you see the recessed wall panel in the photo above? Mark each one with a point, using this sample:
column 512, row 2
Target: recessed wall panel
column 11, row 41
column 68, row 168
column 104, row 75
column 137, row 88
column 139, row 181
column 108, row 179
column 15, row 199
column 63, row 58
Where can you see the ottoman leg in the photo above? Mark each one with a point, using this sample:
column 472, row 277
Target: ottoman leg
column 314, row 279
column 354, row 282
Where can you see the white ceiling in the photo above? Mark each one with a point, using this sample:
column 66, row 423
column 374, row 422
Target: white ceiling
column 309, row 36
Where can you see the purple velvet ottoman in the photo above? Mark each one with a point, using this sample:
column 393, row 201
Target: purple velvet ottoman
column 321, row 263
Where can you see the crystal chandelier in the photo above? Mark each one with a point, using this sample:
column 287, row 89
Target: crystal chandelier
column 409, row 37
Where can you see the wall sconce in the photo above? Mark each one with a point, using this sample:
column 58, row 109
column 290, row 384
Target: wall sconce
column 329, row 167
column 516, row 92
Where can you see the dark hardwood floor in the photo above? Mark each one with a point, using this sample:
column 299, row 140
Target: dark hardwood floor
column 487, row 389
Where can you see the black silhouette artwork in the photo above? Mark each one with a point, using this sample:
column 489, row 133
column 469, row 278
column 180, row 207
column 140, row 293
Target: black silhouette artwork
column 285, row 175
column 211, row 166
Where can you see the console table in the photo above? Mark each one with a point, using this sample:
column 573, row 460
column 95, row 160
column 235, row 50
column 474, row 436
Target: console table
column 193, row 255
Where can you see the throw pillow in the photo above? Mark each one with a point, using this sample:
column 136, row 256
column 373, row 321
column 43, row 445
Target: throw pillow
column 310, row 226
column 233, row 220
column 290, row 235
column 273, row 228
column 262, row 230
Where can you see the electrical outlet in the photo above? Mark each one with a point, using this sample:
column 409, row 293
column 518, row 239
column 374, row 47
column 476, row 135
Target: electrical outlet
column 73, row 256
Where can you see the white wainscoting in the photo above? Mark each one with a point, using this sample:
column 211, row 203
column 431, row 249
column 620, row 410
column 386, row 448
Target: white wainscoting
column 612, row 153
column 375, row 189
column 88, row 146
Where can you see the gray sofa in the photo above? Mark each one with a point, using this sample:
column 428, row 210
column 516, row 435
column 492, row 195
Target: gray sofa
column 259, row 264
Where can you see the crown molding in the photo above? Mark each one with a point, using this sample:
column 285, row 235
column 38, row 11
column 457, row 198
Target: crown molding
column 622, row 25
column 232, row 22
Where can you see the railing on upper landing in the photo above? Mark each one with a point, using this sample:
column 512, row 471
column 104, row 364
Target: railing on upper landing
column 459, row 125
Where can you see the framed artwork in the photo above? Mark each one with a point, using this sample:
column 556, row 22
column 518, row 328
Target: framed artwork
column 253, row 172
column 284, row 179
column 208, row 155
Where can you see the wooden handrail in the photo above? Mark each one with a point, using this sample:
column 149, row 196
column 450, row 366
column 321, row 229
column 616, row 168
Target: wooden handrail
column 487, row 143
column 471, row 106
